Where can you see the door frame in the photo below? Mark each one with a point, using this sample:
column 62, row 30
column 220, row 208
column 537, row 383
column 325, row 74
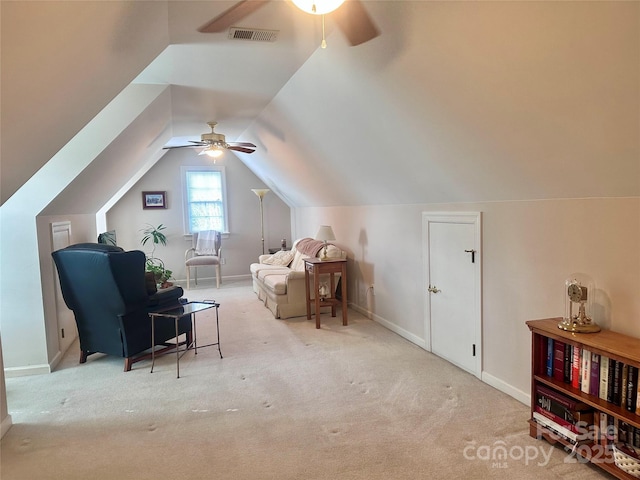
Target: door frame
column 472, row 218
column 68, row 322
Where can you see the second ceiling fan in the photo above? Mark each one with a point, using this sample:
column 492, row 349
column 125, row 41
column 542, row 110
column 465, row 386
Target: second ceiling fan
column 215, row 143
column 351, row 17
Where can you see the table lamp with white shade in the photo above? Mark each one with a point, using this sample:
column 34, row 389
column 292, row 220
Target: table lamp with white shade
column 325, row 233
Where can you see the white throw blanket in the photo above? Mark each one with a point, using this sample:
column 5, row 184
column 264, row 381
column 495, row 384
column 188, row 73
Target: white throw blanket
column 206, row 243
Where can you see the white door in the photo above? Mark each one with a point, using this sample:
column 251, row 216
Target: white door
column 67, row 330
column 453, row 323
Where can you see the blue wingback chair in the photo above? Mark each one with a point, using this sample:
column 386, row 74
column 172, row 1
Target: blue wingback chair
column 105, row 288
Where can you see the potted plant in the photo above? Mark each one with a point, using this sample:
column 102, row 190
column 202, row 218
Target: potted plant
column 156, row 237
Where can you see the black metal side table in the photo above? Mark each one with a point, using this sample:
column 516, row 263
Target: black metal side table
column 176, row 313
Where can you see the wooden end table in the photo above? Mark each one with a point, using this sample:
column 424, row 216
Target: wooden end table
column 317, row 267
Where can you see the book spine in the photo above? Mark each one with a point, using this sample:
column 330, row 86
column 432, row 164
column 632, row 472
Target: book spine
column 617, row 373
column 566, row 402
column 611, row 434
column 585, row 372
column 568, row 359
column 550, row 357
column 612, row 367
column 594, row 379
column 616, row 429
column 555, row 418
column 623, row 386
column 606, row 426
column 558, row 361
column 561, row 411
column 547, row 421
column 632, row 386
column 596, row 431
column 604, row 377
column 624, row 432
column 638, row 398
column 575, row 367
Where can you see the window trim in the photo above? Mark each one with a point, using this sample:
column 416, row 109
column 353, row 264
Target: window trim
column 185, row 202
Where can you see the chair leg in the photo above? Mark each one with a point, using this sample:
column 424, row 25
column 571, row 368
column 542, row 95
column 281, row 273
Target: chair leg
column 188, row 279
column 196, row 274
column 218, row 276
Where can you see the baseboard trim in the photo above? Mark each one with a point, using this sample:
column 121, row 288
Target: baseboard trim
column 391, row 326
column 5, row 425
column 13, row 372
column 57, row 359
column 504, row 387
column 487, row 378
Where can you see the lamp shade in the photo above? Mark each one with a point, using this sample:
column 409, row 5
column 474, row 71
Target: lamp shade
column 325, row 233
column 260, row 192
column 318, row 7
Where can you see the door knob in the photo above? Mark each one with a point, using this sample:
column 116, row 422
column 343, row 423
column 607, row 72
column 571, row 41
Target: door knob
column 433, row 289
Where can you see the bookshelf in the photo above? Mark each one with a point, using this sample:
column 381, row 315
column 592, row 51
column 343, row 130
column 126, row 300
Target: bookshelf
column 623, row 419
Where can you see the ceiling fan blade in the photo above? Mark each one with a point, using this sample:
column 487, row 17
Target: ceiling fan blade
column 242, row 144
column 354, row 21
column 198, row 143
column 182, row 146
column 231, row 16
column 241, row 149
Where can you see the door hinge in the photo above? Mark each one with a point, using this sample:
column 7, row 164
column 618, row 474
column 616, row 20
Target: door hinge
column 474, row 349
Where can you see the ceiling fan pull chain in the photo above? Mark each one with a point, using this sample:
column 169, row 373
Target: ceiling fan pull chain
column 324, row 43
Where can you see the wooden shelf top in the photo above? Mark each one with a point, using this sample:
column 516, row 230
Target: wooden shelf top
column 606, row 340
column 316, row 260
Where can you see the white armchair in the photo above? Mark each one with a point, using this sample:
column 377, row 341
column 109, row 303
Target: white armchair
column 206, row 250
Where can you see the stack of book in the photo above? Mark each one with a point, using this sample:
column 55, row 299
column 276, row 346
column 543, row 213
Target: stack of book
column 563, row 415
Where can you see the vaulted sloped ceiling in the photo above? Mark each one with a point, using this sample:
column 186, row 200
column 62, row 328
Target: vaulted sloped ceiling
column 62, row 63
column 462, row 101
column 453, row 102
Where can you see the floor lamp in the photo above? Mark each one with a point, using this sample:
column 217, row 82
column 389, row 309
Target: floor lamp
column 261, row 192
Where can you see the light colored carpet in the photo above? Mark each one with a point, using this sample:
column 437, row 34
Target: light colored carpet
column 286, row 402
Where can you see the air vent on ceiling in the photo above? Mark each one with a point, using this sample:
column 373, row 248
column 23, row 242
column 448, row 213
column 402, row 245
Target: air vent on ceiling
column 255, row 34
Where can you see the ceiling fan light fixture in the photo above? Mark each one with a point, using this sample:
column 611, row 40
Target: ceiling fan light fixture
column 213, row 151
column 317, row 7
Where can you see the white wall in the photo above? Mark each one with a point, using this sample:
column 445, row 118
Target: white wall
column 529, row 248
column 243, row 244
column 5, row 418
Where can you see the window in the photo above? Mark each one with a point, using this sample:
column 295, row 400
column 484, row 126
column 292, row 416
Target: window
column 205, row 199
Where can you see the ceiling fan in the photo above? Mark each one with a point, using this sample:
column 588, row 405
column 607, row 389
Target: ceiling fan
column 352, row 17
column 214, row 144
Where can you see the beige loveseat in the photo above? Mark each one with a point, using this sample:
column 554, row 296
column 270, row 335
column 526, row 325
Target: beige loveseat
column 278, row 279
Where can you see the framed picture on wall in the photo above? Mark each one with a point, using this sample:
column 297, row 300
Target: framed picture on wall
column 154, row 199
